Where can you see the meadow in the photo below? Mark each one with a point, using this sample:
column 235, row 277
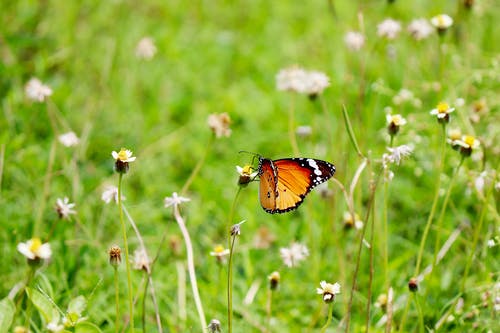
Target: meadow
column 123, row 124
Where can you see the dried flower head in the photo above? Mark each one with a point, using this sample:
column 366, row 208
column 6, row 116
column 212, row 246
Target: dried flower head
column 328, row 291
column 141, row 260
column 294, row 254
column 394, row 122
column 69, row 139
column 110, row 193
column 64, row 208
column 35, row 250
column 219, row 124
column 145, row 49
column 37, row 91
column 397, row 154
column 442, row 22
column 274, row 280
column 175, row 200
column 214, row 326
column 115, row 255
column 388, row 28
column 354, row 40
column 420, row 29
column 466, row 144
column 122, row 159
column 246, row 174
column 236, row 228
column 442, row 112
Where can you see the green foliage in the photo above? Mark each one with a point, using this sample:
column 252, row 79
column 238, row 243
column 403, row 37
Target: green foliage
column 7, row 310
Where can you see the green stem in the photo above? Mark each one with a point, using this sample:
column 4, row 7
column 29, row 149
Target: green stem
column 420, row 314
column 269, row 309
column 441, row 214
column 230, row 243
column 329, row 319
column 45, row 191
column 230, row 286
column 117, row 301
column 477, row 232
column 197, row 168
column 127, row 260
column 386, row 234
column 291, row 127
column 434, row 204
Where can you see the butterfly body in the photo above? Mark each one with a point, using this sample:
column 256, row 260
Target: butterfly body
column 284, row 183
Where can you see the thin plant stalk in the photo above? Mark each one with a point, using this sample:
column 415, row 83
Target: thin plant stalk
column 45, row 190
column 291, row 127
column 370, row 280
column 477, row 232
column 434, row 204
column 386, row 234
column 329, row 318
column 149, row 273
column 421, row 327
column 191, row 270
column 443, row 209
column 127, row 260
column 229, row 285
column 360, row 247
column 197, row 168
column 230, row 243
column 117, row 300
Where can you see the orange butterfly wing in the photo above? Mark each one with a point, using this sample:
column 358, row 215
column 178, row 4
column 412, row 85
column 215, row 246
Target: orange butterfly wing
column 268, row 185
column 293, row 179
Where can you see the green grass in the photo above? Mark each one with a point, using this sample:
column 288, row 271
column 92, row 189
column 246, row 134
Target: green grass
column 215, row 57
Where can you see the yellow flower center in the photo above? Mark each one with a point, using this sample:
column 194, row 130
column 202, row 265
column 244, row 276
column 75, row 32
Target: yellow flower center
column 441, row 20
column 122, row 155
column 36, row 243
column 219, row 249
column 443, row 107
column 247, row 170
column 469, row 140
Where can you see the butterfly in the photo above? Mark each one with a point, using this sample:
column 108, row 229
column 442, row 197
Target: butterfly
column 284, row 183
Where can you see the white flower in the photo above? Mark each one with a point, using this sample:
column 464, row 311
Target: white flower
column 301, row 81
column 246, row 171
column 145, row 49
column 36, row 90
column 397, row 154
column 64, row 208
column 389, row 28
column 141, row 260
column 315, row 82
column 219, row 124
column 442, row 21
column 479, row 181
column 291, row 79
column 69, row 139
column 490, row 243
column 354, row 40
column 124, row 155
column 110, row 193
column 442, row 111
column 34, row 249
column 175, row 200
column 219, row 252
column 467, row 142
column 291, row 256
column 420, row 29
column 395, row 120
column 349, row 222
column 328, row 291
